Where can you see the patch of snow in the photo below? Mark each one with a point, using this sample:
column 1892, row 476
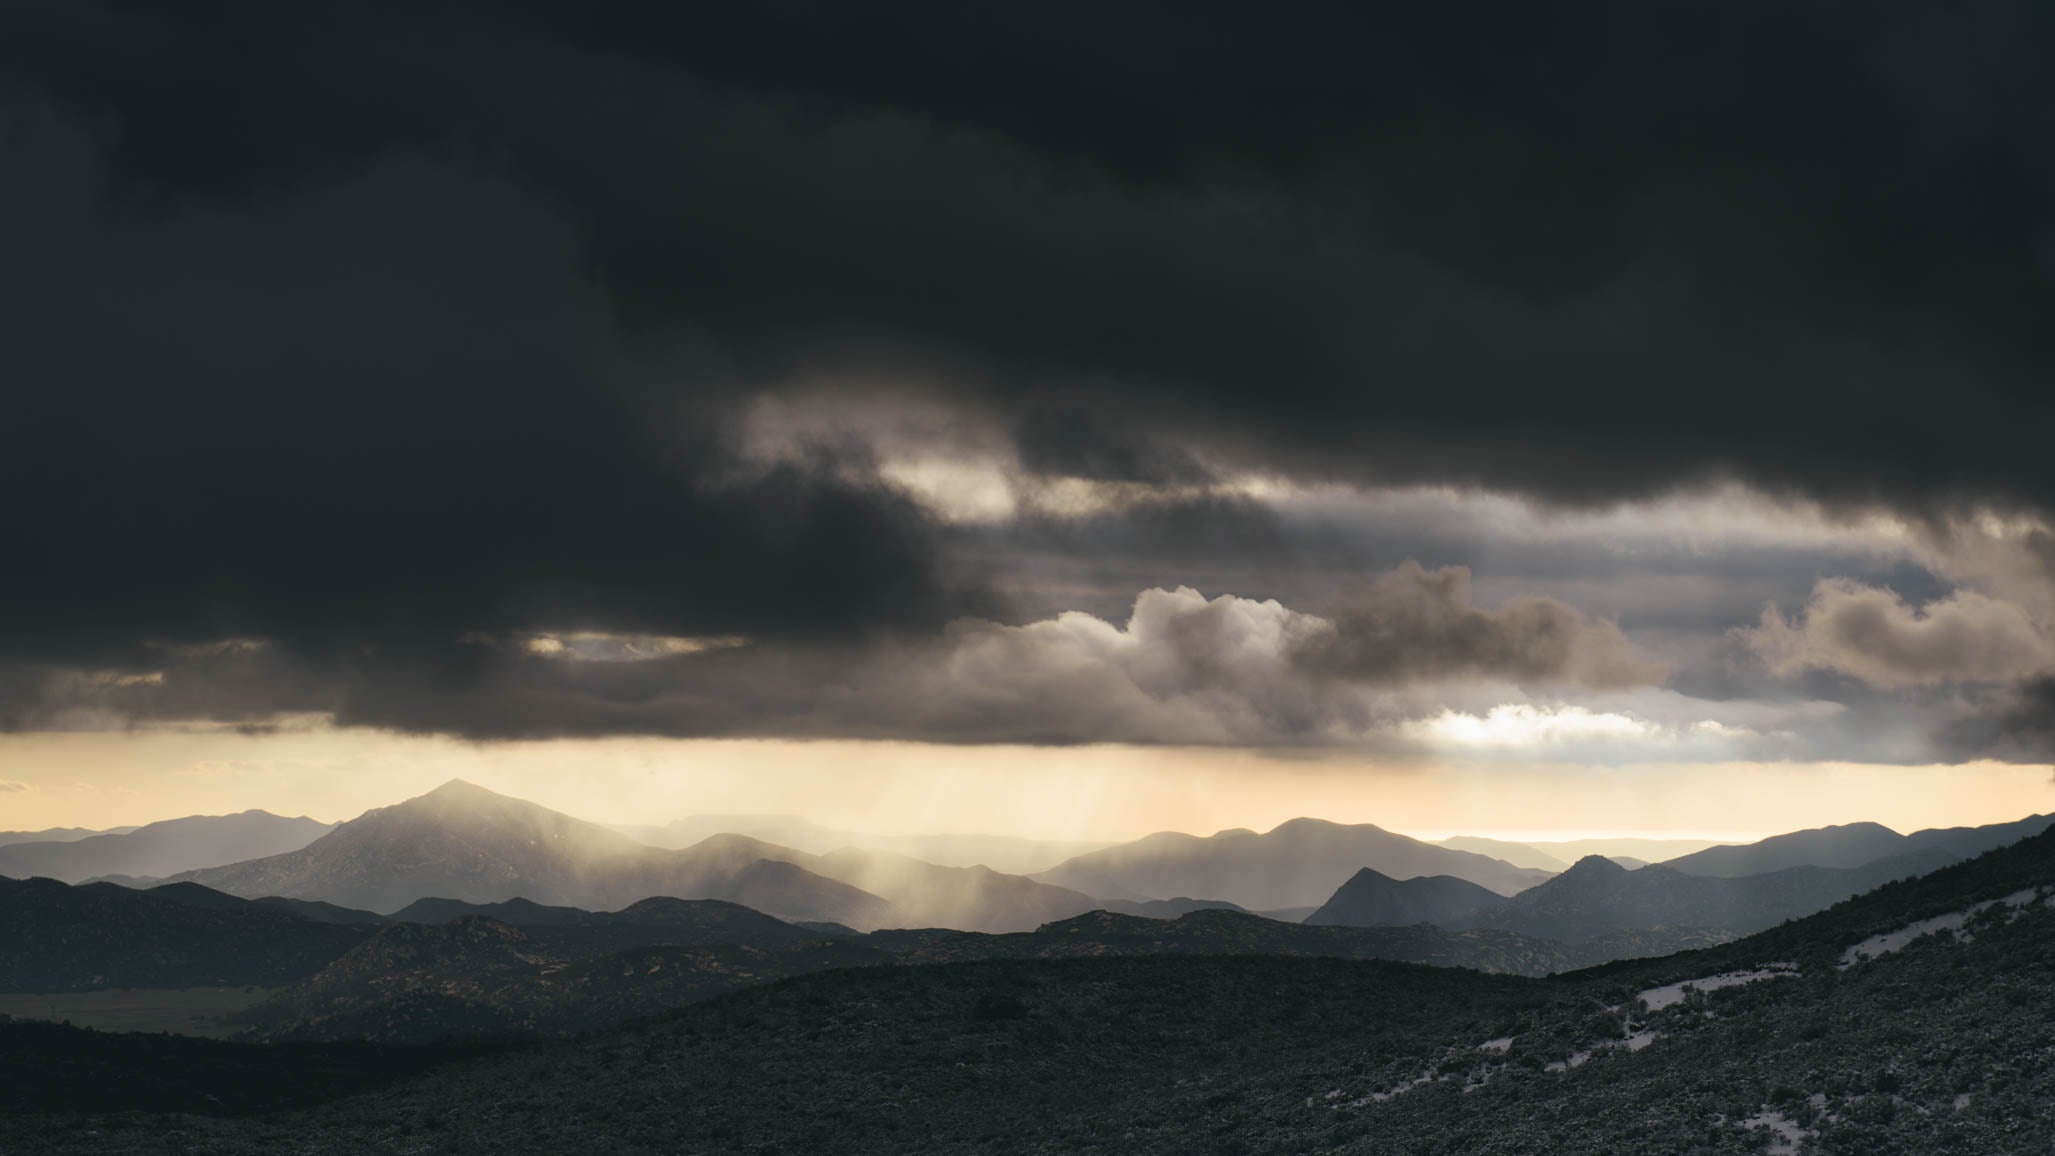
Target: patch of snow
column 1380, row 1097
column 1501, row 1045
column 1640, row 1039
column 1961, row 1101
column 1785, row 1134
column 1953, row 923
column 1671, row 994
column 1576, row 1060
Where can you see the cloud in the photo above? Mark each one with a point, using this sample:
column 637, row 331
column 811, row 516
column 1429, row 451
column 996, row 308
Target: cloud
column 2019, row 726
column 1414, row 624
column 486, row 355
column 1874, row 635
column 1183, row 669
column 12, row 786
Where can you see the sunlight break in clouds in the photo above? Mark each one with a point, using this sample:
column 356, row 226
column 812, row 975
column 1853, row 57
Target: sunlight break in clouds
column 1518, row 725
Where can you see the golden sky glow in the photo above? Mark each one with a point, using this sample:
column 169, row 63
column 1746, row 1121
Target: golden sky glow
column 1090, row 792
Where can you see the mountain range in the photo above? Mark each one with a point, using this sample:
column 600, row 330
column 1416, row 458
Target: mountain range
column 58, row 834
column 1008, row 854
column 161, row 849
column 1851, row 845
column 1598, row 897
column 921, row 894
column 1899, row 1021
column 1298, row 863
column 462, row 841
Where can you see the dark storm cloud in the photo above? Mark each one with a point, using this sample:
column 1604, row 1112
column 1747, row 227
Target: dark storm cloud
column 368, row 409
column 375, row 326
column 2019, row 727
column 1181, row 668
column 1585, row 250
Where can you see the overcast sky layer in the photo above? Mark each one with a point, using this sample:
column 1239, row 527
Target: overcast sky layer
column 1546, row 393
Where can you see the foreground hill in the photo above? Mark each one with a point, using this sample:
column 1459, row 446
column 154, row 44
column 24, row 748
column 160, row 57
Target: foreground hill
column 477, row 978
column 55, row 937
column 480, row 978
column 1217, row 931
column 162, row 849
column 465, row 842
column 1849, row 1031
column 1297, row 864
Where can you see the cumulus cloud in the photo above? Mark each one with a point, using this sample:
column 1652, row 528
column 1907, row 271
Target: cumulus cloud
column 1414, row 623
column 1874, row 635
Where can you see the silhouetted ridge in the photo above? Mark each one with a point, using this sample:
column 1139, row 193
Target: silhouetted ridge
column 1371, row 898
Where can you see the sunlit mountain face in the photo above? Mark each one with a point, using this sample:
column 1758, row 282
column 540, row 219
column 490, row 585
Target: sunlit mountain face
column 1062, row 426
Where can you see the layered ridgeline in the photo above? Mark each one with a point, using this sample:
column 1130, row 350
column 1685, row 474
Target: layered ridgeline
column 160, row 849
column 58, row 835
column 921, row 894
column 564, row 971
column 464, row 842
column 1597, row 897
column 1845, row 845
column 552, row 971
column 1854, row 844
column 1296, row 864
column 1010, row 854
column 1905, row 1020
column 1558, row 854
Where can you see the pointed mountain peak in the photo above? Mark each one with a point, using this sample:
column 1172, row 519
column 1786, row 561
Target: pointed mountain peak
column 462, row 789
column 1594, row 865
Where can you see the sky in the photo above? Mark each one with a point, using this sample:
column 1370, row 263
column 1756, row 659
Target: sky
column 1047, row 420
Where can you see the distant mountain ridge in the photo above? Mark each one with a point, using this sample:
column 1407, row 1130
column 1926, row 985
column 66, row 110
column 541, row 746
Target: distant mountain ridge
column 1009, row 854
column 162, row 849
column 1299, row 863
column 465, row 842
column 1597, row 896
column 58, row 835
column 922, row 894
column 1852, row 845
